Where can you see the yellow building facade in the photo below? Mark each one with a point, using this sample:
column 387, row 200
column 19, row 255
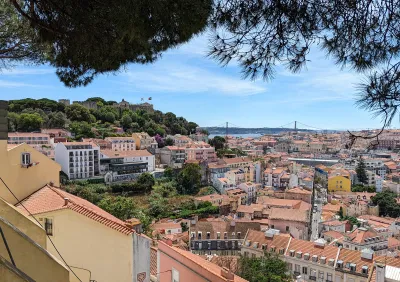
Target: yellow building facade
column 96, row 245
column 27, row 243
column 25, row 171
column 339, row 183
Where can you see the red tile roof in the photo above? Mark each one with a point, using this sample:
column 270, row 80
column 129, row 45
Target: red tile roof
column 49, row 199
column 275, row 243
column 289, row 214
column 297, row 245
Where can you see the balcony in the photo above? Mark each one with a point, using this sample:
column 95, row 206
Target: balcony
column 296, row 273
column 314, row 278
column 328, row 280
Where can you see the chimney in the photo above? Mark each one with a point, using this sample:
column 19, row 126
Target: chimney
column 226, row 273
column 66, row 200
column 380, row 272
column 3, row 125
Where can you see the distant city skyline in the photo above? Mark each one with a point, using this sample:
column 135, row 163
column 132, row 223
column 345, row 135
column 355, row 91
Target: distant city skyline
column 184, row 81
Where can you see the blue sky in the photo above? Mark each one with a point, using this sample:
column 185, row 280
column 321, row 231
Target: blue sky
column 188, row 84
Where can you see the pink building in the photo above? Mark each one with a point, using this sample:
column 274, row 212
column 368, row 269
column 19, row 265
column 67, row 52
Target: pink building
column 200, row 151
column 293, row 222
column 176, row 265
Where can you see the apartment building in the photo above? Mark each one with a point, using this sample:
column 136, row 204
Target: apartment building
column 173, row 156
column 317, row 261
column 272, row 176
column 251, row 190
column 173, row 264
column 40, row 141
column 219, row 236
column 125, row 165
column 339, row 180
column 144, row 141
column 200, row 151
column 298, row 193
column 88, row 237
column 78, row 160
column 365, row 238
column 122, row 143
column 289, row 221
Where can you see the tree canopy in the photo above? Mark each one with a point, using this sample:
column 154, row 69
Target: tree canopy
column 107, row 34
column 362, row 35
column 387, row 203
column 189, row 179
column 361, row 172
column 269, row 268
column 99, row 122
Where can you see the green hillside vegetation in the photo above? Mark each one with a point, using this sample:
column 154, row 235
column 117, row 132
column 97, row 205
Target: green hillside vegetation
column 29, row 115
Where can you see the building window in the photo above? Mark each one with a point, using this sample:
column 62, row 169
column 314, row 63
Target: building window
column 246, row 254
column 175, row 275
column 297, row 268
column 321, row 275
column 287, row 228
column 272, row 226
column 238, row 235
column 305, row 270
column 218, row 235
column 48, row 226
column 25, row 158
column 329, row 277
column 253, row 255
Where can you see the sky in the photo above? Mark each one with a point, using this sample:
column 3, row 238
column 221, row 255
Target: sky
column 184, row 81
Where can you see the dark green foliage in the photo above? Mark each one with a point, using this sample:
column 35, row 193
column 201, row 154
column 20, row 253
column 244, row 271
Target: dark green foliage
column 361, row 171
column 169, row 142
column 184, row 226
column 362, row 188
column 362, row 35
column 218, row 142
column 170, row 173
column 189, row 179
column 388, row 205
column 269, row 268
column 108, row 34
column 121, row 207
column 145, row 182
column 29, row 122
column 77, row 112
column 235, row 151
column 340, row 213
column 102, row 120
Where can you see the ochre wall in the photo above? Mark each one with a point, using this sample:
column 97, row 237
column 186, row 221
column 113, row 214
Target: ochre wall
column 88, row 244
column 25, row 181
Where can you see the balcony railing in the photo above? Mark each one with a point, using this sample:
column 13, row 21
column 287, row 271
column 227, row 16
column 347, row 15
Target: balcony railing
column 314, row 278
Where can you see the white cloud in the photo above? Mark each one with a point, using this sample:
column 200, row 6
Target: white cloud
column 26, row 71
column 15, row 84
column 190, row 79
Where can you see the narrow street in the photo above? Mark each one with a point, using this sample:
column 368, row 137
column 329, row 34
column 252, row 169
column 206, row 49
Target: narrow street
column 317, row 211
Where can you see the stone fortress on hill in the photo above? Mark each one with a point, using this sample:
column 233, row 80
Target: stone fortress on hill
column 122, row 105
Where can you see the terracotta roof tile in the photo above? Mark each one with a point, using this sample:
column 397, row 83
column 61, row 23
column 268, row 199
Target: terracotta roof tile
column 48, row 199
column 289, row 214
column 278, row 242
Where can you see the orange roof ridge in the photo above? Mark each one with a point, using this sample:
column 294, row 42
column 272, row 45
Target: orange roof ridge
column 91, row 211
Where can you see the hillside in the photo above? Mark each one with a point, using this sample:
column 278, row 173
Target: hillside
column 32, row 115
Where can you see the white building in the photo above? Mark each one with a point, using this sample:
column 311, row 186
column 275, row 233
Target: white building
column 122, row 143
column 78, row 160
column 251, row 189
